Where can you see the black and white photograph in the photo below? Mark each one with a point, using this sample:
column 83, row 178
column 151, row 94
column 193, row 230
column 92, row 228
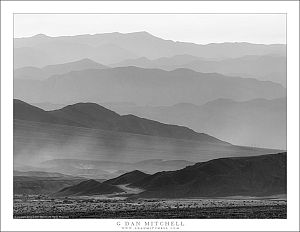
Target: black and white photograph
column 142, row 115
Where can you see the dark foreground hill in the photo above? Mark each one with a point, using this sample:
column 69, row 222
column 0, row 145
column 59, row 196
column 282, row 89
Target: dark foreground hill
column 130, row 177
column 89, row 187
column 239, row 176
column 94, row 116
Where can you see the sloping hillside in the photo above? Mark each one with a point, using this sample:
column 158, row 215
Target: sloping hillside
column 247, row 176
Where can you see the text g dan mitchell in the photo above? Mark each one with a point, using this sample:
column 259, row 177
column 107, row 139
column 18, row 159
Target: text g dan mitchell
column 150, row 224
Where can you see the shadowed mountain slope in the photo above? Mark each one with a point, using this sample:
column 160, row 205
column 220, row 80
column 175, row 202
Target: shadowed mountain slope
column 130, row 177
column 89, row 187
column 239, row 176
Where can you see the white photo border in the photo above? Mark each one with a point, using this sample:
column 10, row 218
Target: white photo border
column 8, row 8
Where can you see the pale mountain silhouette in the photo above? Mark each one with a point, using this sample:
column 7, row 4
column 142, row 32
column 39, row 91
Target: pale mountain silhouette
column 126, row 46
column 143, row 86
column 258, row 122
column 35, row 73
column 263, row 67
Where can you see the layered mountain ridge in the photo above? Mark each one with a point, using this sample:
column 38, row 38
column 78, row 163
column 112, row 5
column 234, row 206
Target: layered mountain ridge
column 94, row 116
column 143, row 87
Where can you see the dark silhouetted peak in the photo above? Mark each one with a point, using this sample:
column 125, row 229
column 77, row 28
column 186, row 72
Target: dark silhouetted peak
column 128, row 178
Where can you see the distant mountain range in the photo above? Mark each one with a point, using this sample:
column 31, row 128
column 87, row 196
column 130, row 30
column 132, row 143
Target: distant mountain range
column 258, row 122
column 41, row 174
column 107, row 48
column 34, row 73
column 143, row 87
column 42, row 183
column 95, row 169
column 265, row 67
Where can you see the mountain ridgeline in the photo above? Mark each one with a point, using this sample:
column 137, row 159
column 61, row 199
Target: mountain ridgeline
column 94, row 116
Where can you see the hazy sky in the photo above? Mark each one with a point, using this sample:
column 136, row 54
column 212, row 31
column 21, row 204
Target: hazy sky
column 196, row 28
